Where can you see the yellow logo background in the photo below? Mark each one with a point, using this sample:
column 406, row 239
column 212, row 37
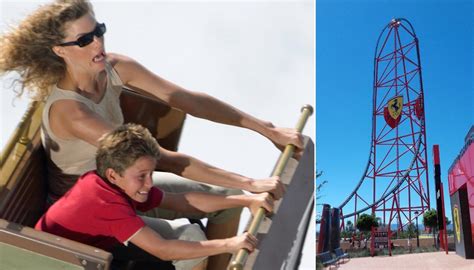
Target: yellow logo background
column 395, row 106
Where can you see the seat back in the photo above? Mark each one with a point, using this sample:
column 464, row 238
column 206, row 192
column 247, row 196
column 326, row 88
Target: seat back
column 23, row 172
column 164, row 122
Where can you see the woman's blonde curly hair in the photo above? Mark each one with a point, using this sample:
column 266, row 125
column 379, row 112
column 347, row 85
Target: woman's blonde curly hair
column 27, row 48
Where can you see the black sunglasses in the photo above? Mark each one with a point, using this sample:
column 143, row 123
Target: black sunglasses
column 87, row 39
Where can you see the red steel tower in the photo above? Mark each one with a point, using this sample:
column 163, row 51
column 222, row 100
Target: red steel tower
column 392, row 185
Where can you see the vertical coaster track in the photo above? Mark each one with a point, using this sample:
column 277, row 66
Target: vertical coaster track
column 392, row 183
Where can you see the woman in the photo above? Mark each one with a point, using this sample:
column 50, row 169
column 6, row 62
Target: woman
column 59, row 52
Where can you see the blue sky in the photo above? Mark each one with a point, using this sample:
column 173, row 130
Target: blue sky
column 346, row 35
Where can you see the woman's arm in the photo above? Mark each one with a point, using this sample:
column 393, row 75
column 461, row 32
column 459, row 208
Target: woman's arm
column 199, row 104
column 150, row 241
column 205, row 202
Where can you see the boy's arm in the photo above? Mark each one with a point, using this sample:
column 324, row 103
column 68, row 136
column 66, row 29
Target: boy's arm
column 205, row 202
column 192, row 168
column 150, row 241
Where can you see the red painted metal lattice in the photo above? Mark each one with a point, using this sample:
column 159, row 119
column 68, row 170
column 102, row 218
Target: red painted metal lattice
column 394, row 185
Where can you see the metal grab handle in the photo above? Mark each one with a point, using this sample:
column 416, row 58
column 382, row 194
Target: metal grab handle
column 242, row 254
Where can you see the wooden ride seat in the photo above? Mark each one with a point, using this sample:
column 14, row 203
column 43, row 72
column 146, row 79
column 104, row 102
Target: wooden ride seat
column 23, row 183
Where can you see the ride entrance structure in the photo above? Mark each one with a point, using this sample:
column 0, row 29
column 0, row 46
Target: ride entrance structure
column 461, row 192
column 394, row 185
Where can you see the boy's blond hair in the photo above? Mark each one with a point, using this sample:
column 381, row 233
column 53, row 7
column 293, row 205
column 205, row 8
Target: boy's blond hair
column 120, row 148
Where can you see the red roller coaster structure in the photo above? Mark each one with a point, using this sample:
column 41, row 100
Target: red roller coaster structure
column 391, row 186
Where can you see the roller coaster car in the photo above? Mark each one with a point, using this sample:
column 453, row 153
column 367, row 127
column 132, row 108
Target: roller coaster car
column 23, row 188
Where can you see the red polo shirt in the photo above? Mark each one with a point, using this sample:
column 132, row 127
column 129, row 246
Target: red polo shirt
column 96, row 213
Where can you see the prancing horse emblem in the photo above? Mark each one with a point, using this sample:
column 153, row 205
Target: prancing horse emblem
column 395, row 106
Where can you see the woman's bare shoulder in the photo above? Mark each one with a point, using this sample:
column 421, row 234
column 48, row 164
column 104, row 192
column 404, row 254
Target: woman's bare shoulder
column 119, row 60
column 69, row 109
column 123, row 64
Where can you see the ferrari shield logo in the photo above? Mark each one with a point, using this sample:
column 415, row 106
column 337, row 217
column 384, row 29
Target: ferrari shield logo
column 395, row 107
column 393, row 110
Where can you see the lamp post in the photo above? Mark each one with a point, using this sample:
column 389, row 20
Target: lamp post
column 417, row 234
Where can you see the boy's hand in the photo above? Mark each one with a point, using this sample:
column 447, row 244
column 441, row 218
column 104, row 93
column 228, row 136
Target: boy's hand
column 245, row 240
column 260, row 200
column 272, row 185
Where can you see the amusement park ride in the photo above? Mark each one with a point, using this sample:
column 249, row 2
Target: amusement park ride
column 394, row 185
column 397, row 168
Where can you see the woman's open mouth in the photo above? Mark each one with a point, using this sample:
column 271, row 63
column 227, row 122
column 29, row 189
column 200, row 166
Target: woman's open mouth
column 99, row 58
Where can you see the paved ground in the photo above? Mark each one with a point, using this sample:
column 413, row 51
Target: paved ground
column 419, row 261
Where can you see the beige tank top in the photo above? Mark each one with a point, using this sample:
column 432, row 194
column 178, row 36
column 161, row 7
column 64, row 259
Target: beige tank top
column 68, row 159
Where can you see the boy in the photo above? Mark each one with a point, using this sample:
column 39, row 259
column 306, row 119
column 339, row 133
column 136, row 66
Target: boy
column 100, row 209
